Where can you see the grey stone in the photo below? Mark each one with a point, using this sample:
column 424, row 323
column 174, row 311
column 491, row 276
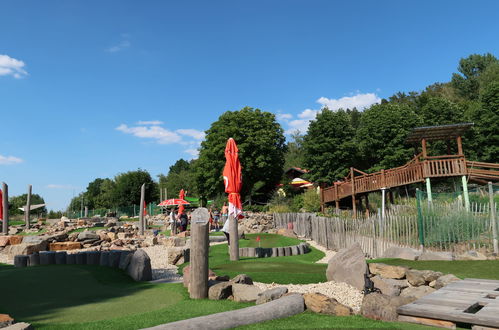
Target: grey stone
column 251, row 252
column 280, row 251
column 34, row 245
column 114, row 258
column 378, row 306
column 294, row 250
column 93, row 257
column 385, row 287
column 81, row 258
column 430, row 255
column 388, row 271
column 140, row 266
column 125, row 257
column 71, row 259
column 60, row 258
column 286, row 306
column 348, row 266
column 471, row 255
column 19, row 326
column 271, row 294
column 34, row 259
column 301, row 249
column 21, row 260
column 275, row 252
column 104, row 258
column 88, row 235
column 220, row 291
column 421, row 277
column 242, row 279
column 245, row 292
column 445, row 280
column 417, row 291
column 401, row 253
column 47, row 257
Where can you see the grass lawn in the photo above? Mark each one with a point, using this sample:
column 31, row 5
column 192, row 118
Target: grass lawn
column 79, row 230
column 488, row 269
column 33, row 234
column 299, row 269
column 267, row 241
column 216, row 233
column 94, row 297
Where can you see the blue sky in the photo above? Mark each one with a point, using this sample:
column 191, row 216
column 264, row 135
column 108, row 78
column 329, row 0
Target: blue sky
column 93, row 88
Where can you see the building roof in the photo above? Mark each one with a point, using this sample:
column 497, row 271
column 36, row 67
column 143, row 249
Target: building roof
column 441, row 132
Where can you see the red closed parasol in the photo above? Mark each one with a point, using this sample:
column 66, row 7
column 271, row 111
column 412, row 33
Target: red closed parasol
column 232, row 177
column 181, row 195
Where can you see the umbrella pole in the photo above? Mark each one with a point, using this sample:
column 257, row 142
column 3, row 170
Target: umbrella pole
column 234, row 238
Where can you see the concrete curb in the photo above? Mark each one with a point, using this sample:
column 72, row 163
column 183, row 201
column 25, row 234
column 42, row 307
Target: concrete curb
column 286, row 251
column 283, row 307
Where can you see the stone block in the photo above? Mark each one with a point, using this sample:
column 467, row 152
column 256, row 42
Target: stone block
column 60, row 258
column 242, row 279
column 430, row 255
column 220, row 291
column 401, row 253
column 21, row 261
column 104, row 258
column 294, row 250
column 4, row 241
column 378, row 306
column 275, row 252
column 271, row 294
column 71, row 259
column 445, row 280
column 64, row 246
column 245, row 292
column 388, row 271
column 280, row 251
column 348, row 266
column 93, row 257
column 417, row 292
column 16, row 239
column 125, row 257
column 114, row 258
column 140, row 266
column 47, row 257
column 34, row 259
column 319, row 303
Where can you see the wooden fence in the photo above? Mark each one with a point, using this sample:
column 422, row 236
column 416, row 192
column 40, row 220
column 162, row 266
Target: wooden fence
column 443, row 228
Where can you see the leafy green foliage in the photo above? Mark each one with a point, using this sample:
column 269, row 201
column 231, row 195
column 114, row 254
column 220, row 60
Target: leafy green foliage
column 127, row 188
column 311, row 201
column 16, row 202
column 467, row 83
column 261, row 146
column 294, row 157
column 181, row 175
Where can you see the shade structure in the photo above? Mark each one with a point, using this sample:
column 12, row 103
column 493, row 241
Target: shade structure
column 173, row 202
column 233, row 177
column 181, row 195
column 298, row 182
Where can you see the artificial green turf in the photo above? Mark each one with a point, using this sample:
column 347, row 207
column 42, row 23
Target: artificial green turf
column 267, row 241
column 310, row 320
column 33, row 234
column 79, row 230
column 488, row 269
column 216, row 233
column 94, row 297
column 300, row 269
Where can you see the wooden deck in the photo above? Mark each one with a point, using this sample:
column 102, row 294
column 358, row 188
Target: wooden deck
column 417, row 170
column 470, row 301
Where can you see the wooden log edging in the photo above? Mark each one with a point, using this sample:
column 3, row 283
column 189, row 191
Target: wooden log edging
column 284, row 251
column 280, row 308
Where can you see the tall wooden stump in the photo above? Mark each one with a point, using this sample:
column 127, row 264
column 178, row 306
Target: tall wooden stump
column 141, row 209
column 5, row 201
column 492, row 219
column 199, row 254
column 234, row 238
column 27, row 207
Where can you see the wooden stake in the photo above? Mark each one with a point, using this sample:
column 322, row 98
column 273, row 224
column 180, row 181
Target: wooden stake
column 141, row 209
column 492, row 218
column 459, row 146
column 5, row 201
column 199, row 254
column 234, row 238
column 27, row 207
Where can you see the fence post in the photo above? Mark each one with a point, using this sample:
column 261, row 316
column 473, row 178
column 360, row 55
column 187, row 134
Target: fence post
column 428, row 190
column 420, row 219
column 27, row 207
column 5, row 201
column 141, row 209
column 199, row 255
column 493, row 218
column 465, row 193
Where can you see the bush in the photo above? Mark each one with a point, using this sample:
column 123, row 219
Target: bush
column 279, row 208
column 311, row 201
column 297, row 203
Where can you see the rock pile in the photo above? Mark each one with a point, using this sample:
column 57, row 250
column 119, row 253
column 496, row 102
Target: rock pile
column 255, row 223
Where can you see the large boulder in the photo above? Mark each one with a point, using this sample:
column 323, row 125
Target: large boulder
column 421, row 277
column 5, row 320
column 417, row 291
column 187, row 278
column 348, row 266
column 401, row 253
column 445, row 280
column 430, row 255
column 30, row 244
column 140, row 266
column 242, row 279
column 245, row 292
column 4, row 241
column 16, row 239
column 220, row 291
column 319, row 303
column 64, row 246
column 88, row 236
column 378, row 306
column 388, row 271
column 387, row 286
column 469, row 255
column 271, row 294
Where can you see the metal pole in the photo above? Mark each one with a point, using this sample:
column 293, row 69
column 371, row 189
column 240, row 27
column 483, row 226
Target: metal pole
column 465, row 193
column 492, row 218
column 141, row 209
column 5, row 201
column 428, row 190
column 27, row 207
column 86, row 211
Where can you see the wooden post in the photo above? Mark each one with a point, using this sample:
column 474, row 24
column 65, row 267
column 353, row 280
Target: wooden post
column 367, row 205
column 5, row 201
column 354, row 206
column 86, row 211
column 383, row 203
column 141, row 209
column 465, row 193
column 390, row 195
column 337, row 201
column 199, row 254
column 423, row 145
column 428, row 190
column 27, row 207
column 492, row 218
column 234, row 238
column 459, row 146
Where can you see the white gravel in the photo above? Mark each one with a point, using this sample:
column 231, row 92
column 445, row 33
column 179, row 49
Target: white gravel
column 329, row 253
column 159, row 264
column 342, row 292
column 5, row 260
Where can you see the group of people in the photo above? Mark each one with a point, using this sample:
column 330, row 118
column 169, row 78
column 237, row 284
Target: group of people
column 217, row 217
column 179, row 222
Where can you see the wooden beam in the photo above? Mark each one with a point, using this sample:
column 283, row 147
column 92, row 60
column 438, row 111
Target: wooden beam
column 459, row 146
column 354, row 206
column 423, row 145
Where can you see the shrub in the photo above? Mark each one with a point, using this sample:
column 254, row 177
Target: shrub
column 311, row 201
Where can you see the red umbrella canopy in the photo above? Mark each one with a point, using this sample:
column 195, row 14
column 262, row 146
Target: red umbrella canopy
column 232, row 177
column 173, row 202
column 181, row 195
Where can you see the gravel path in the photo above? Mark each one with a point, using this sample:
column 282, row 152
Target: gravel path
column 342, row 292
column 329, row 253
column 159, row 263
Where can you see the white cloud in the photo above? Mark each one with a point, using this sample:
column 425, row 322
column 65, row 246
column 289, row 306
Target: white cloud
column 284, row 116
column 193, row 152
column 194, row 133
column 122, row 45
column 9, row 160
column 359, row 101
column 59, row 186
column 12, row 67
column 160, row 134
column 150, row 122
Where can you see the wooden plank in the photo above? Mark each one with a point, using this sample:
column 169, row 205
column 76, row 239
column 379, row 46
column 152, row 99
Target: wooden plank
column 427, row 321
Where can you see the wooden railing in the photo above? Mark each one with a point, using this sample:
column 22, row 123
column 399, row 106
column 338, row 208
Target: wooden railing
column 484, row 171
column 414, row 171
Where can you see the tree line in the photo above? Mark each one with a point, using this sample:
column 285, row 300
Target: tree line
column 370, row 140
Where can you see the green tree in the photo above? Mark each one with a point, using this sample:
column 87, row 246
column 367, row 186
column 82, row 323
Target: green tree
column 487, row 125
column 467, row 81
column 181, row 175
column 382, row 133
column 294, row 156
column 15, row 202
column 329, row 146
column 127, row 188
column 261, row 144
